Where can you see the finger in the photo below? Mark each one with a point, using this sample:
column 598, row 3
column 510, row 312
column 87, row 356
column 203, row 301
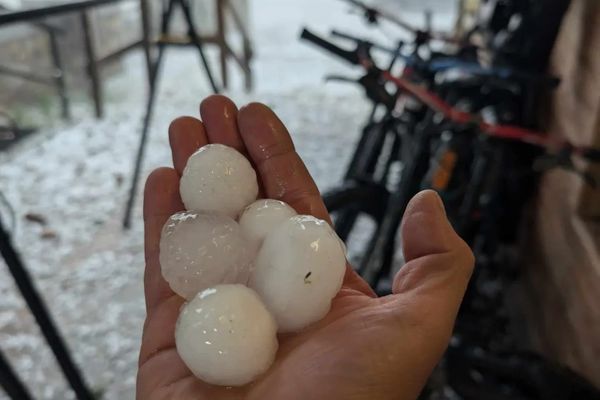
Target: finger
column 439, row 263
column 186, row 135
column 283, row 174
column 161, row 200
column 159, row 328
column 219, row 115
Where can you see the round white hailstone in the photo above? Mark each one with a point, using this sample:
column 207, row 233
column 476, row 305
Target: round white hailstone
column 263, row 216
column 199, row 250
column 226, row 336
column 218, row 178
column 298, row 270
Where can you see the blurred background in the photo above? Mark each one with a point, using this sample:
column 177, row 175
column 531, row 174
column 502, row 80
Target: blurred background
column 74, row 92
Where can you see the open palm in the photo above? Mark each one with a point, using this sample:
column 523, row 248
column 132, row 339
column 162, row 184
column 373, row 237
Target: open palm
column 366, row 347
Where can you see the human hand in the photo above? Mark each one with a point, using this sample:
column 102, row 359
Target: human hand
column 366, row 347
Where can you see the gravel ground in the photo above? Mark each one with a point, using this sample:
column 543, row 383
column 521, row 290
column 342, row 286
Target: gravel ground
column 76, row 177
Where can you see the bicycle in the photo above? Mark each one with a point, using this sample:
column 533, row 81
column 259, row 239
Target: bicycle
column 387, row 207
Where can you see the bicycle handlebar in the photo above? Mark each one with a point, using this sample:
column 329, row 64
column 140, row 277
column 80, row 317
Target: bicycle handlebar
column 359, row 41
column 347, row 55
column 353, row 57
column 433, row 101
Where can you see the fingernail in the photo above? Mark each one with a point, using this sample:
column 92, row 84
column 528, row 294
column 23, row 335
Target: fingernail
column 425, row 227
column 428, row 201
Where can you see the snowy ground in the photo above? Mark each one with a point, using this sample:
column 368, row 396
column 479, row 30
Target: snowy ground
column 76, row 177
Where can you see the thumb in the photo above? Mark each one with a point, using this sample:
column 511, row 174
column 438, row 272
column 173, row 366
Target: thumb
column 438, row 262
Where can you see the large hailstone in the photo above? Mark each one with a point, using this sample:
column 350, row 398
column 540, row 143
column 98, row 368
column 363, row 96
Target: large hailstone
column 226, row 336
column 199, row 250
column 263, row 216
column 217, row 178
column 298, row 270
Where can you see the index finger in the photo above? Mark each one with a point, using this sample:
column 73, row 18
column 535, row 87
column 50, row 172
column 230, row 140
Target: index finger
column 161, row 200
column 282, row 172
column 280, row 168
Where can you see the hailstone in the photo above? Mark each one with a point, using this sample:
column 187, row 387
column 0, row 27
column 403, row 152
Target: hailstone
column 298, row 271
column 226, row 336
column 219, row 179
column 262, row 216
column 199, row 250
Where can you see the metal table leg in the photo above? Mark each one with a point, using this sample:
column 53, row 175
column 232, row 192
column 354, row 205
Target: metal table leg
column 197, row 42
column 146, row 36
column 59, row 79
column 244, row 61
column 92, row 65
column 221, row 33
column 42, row 317
column 11, row 383
column 154, row 73
column 249, row 82
column 137, row 169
